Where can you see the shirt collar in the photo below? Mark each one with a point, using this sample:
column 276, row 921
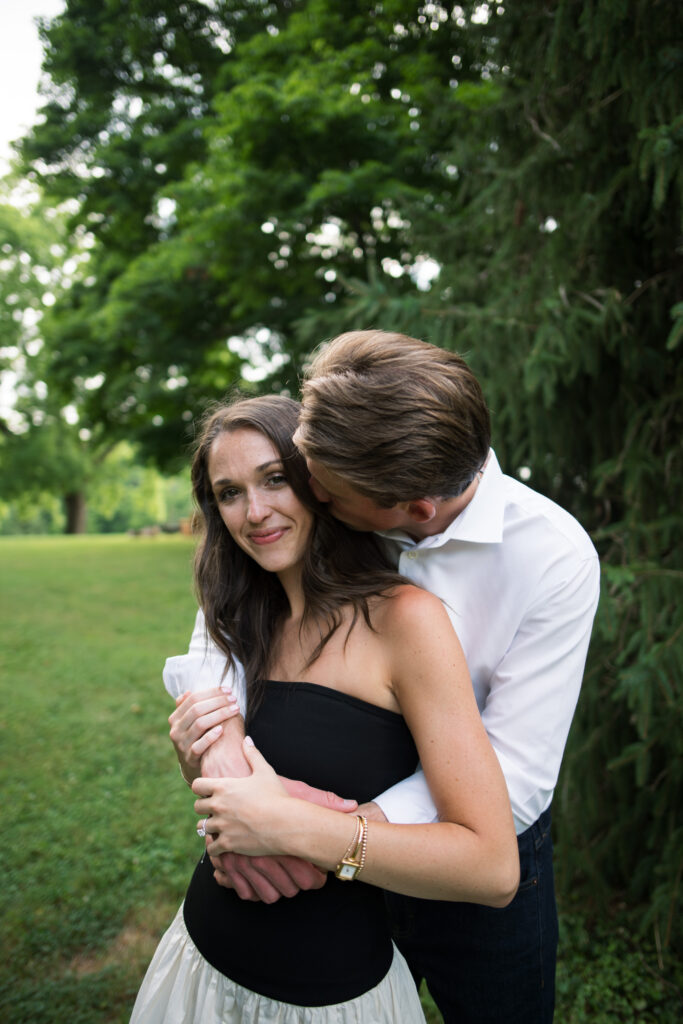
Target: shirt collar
column 480, row 522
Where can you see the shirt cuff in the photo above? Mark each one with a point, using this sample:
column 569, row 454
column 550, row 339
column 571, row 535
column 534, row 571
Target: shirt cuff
column 408, row 802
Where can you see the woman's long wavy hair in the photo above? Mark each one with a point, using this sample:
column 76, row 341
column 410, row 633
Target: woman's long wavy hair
column 244, row 604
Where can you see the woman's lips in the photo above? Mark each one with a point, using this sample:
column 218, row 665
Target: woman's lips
column 268, row 537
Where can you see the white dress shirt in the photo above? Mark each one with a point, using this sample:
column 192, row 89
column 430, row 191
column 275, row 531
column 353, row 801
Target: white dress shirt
column 520, row 581
column 203, row 667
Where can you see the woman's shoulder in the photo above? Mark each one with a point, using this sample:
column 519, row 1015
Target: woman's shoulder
column 407, row 607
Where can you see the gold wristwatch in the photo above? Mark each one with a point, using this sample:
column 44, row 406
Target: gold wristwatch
column 353, row 861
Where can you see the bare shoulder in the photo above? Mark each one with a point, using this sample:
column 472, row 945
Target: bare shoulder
column 419, row 642
column 407, row 609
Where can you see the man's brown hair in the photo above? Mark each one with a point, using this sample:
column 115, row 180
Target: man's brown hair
column 395, row 417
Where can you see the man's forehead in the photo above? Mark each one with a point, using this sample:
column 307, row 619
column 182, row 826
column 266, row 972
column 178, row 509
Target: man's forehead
column 328, row 478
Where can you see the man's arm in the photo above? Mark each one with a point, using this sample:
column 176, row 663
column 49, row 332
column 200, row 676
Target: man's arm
column 531, row 702
column 409, row 802
column 536, row 686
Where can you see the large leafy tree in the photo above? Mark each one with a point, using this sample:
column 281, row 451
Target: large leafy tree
column 239, row 168
column 128, row 87
column 41, row 451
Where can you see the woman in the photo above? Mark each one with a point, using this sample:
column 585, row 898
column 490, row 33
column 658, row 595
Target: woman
column 351, row 676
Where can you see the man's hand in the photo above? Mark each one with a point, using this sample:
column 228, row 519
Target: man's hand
column 322, row 797
column 268, row 878
column 372, row 811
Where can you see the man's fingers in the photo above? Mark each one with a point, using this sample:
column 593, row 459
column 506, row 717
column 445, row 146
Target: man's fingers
column 233, row 880
column 267, row 878
column 322, row 797
column 372, row 811
column 303, row 874
column 247, row 879
column 273, row 874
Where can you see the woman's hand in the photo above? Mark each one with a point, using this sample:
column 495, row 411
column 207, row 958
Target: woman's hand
column 197, row 722
column 246, row 815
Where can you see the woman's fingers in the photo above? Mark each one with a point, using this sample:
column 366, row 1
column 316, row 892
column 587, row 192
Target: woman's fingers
column 257, row 761
column 195, row 720
column 195, row 705
column 201, row 745
column 238, row 807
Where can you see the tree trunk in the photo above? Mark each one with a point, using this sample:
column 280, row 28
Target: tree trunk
column 76, row 512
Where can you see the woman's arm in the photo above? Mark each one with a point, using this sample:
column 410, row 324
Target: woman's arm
column 207, row 732
column 197, row 724
column 470, row 855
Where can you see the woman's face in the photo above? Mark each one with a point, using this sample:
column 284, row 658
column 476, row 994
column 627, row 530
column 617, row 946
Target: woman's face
column 259, row 508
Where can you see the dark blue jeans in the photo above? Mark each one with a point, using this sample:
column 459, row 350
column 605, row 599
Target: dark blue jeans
column 483, row 965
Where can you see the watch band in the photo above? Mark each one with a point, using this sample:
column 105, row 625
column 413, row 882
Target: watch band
column 353, row 861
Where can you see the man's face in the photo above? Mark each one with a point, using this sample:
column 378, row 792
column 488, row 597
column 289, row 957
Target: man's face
column 348, row 505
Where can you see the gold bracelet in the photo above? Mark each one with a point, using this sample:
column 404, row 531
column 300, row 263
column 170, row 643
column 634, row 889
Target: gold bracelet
column 363, row 846
column 180, row 769
column 353, row 861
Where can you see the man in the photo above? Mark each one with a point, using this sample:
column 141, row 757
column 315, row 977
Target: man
column 396, row 434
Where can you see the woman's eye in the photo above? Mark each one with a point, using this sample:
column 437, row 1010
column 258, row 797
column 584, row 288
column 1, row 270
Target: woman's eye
column 277, row 479
column 228, row 493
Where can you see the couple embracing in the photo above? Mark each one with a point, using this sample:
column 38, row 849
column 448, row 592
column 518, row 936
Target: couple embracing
column 401, row 629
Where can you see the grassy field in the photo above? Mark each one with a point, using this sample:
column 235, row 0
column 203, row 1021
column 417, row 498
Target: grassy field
column 97, row 838
column 97, row 841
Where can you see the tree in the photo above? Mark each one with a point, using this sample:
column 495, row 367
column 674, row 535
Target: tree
column 561, row 277
column 225, row 191
column 128, row 95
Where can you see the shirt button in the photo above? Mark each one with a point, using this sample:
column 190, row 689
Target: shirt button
column 412, row 554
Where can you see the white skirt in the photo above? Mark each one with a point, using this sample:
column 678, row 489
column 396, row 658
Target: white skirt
column 181, row 987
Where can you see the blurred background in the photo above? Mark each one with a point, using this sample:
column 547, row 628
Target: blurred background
column 201, row 192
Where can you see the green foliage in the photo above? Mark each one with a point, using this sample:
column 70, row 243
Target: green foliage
column 129, row 496
column 605, row 977
column 123, row 495
column 32, row 513
column 129, row 89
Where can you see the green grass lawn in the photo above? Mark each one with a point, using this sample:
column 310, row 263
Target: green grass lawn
column 97, row 841
column 97, row 835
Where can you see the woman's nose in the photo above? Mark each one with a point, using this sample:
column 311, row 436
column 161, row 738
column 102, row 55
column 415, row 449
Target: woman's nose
column 257, row 509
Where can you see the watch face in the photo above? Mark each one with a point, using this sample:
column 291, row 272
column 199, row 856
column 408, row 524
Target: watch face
column 347, row 872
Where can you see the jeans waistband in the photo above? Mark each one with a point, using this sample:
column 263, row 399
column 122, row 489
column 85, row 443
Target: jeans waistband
column 537, row 832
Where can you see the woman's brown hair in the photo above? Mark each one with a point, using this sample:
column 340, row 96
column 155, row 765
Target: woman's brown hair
column 244, row 604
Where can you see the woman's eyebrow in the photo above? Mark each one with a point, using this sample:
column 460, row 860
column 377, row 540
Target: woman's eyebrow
column 259, row 469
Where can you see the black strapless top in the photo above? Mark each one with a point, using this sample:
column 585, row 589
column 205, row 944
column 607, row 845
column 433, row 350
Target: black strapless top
column 334, row 943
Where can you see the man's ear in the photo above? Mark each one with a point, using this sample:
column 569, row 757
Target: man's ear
column 421, row 510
